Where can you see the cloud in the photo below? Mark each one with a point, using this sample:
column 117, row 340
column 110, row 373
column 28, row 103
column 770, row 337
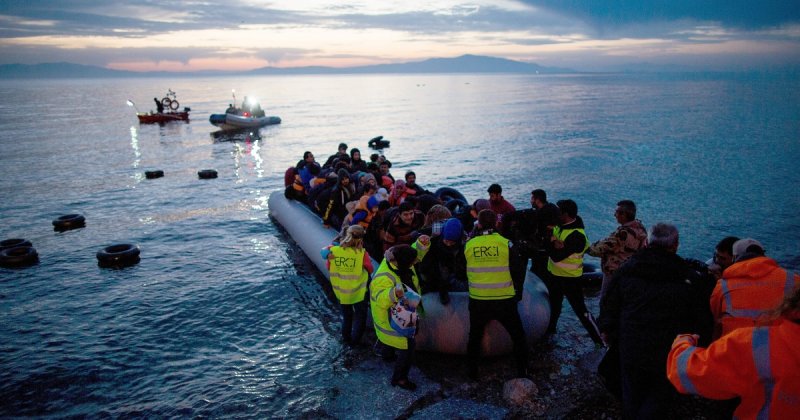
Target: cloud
column 743, row 14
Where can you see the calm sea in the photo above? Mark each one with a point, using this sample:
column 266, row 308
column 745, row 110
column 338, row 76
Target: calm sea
column 222, row 316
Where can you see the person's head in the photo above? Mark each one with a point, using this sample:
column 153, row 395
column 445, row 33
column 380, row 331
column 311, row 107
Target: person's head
column 452, row 232
column 354, row 237
column 437, row 213
column 411, row 178
column 374, row 157
column 342, row 148
column 372, row 204
column 399, row 186
column 747, row 248
column 723, row 252
column 355, row 154
column 538, row 198
column 625, row 212
column 384, row 167
column 568, row 209
column 487, row 219
column 663, row 235
column 308, row 156
column 790, row 307
column 344, row 177
column 495, row 192
column 404, row 256
column 406, row 212
column 478, row 205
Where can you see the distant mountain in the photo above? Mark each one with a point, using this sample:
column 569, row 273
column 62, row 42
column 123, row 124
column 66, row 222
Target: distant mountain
column 462, row 64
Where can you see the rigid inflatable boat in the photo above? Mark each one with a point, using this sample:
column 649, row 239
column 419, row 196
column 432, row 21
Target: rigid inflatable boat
column 444, row 328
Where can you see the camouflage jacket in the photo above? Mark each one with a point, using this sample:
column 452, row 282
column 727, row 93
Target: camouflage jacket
column 619, row 246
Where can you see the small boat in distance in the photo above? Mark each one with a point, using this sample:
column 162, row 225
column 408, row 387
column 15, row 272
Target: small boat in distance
column 249, row 115
column 167, row 110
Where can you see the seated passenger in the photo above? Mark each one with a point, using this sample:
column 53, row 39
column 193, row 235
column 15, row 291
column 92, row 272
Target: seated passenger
column 401, row 228
column 444, row 267
column 399, row 193
column 333, row 206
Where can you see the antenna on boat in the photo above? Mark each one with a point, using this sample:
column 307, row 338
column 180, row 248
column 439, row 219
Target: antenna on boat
column 130, row 103
column 233, row 92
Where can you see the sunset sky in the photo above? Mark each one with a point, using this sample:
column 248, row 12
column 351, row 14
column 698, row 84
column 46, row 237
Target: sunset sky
column 246, row 34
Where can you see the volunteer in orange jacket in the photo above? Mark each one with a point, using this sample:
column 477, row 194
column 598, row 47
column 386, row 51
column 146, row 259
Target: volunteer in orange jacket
column 761, row 365
column 749, row 288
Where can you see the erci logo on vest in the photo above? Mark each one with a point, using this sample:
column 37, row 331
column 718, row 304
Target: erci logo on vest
column 344, row 262
column 486, row 253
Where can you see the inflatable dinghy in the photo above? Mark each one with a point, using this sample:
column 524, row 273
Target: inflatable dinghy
column 444, row 328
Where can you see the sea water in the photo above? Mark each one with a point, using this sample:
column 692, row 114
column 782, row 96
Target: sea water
column 223, row 316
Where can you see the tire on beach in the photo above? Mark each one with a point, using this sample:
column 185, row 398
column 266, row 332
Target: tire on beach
column 13, row 243
column 19, row 256
column 69, row 222
column 207, row 174
column 154, row 174
column 446, row 194
column 118, row 256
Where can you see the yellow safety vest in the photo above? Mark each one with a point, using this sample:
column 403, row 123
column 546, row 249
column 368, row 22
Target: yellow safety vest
column 487, row 268
column 348, row 276
column 572, row 266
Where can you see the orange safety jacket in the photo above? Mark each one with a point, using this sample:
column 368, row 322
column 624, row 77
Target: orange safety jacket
column 761, row 365
column 747, row 290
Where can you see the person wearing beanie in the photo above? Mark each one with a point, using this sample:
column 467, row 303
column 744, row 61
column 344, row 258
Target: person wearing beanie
column 356, row 163
column 491, row 293
column 335, row 210
column 443, row 269
column 365, row 210
column 749, row 287
column 393, row 278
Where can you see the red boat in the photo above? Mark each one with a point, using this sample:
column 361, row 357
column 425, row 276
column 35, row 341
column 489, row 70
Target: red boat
column 162, row 117
column 167, row 110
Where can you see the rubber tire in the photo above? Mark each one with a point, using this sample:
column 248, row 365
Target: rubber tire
column 456, row 206
column 207, row 174
column 446, row 194
column 173, row 105
column 118, row 255
column 153, row 174
column 166, row 102
column 69, row 222
column 13, row 243
column 591, row 276
column 20, row 256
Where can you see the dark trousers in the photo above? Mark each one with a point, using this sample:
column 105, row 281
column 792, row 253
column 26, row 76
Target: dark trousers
column 645, row 394
column 354, row 318
column 557, row 288
column 539, row 264
column 505, row 312
column 405, row 358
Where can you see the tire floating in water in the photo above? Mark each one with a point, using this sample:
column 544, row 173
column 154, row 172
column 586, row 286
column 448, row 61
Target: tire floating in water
column 69, row 222
column 207, row 174
column 13, row 243
column 378, row 143
column 19, row 256
column 118, row 256
column 154, row 174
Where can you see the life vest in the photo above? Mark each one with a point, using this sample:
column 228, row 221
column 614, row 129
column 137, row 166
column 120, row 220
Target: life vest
column 488, row 274
column 759, row 365
column 572, row 266
column 747, row 290
column 347, row 274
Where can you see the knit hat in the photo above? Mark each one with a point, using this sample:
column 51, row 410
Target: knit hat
column 481, row 204
column 372, row 202
column 382, row 194
column 741, row 247
column 452, row 230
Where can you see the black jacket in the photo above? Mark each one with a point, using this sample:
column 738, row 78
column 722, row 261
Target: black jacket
column 653, row 297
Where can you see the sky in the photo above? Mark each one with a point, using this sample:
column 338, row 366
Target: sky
column 587, row 35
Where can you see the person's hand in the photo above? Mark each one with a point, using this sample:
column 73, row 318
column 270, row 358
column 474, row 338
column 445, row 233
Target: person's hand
column 398, row 292
column 558, row 244
column 690, row 338
column 425, row 240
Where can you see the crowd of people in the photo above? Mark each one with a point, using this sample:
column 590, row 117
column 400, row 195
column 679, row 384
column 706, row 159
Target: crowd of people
column 649, row 295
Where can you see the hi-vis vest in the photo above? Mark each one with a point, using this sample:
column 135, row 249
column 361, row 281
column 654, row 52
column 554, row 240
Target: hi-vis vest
column 487, row 268
column 382, row 297
column 348, row 277
column 572, row 266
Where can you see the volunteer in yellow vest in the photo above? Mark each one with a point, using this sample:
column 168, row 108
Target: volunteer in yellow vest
column 349, row 267
column 394, row 276
column 491, row 292
column 565, row 267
